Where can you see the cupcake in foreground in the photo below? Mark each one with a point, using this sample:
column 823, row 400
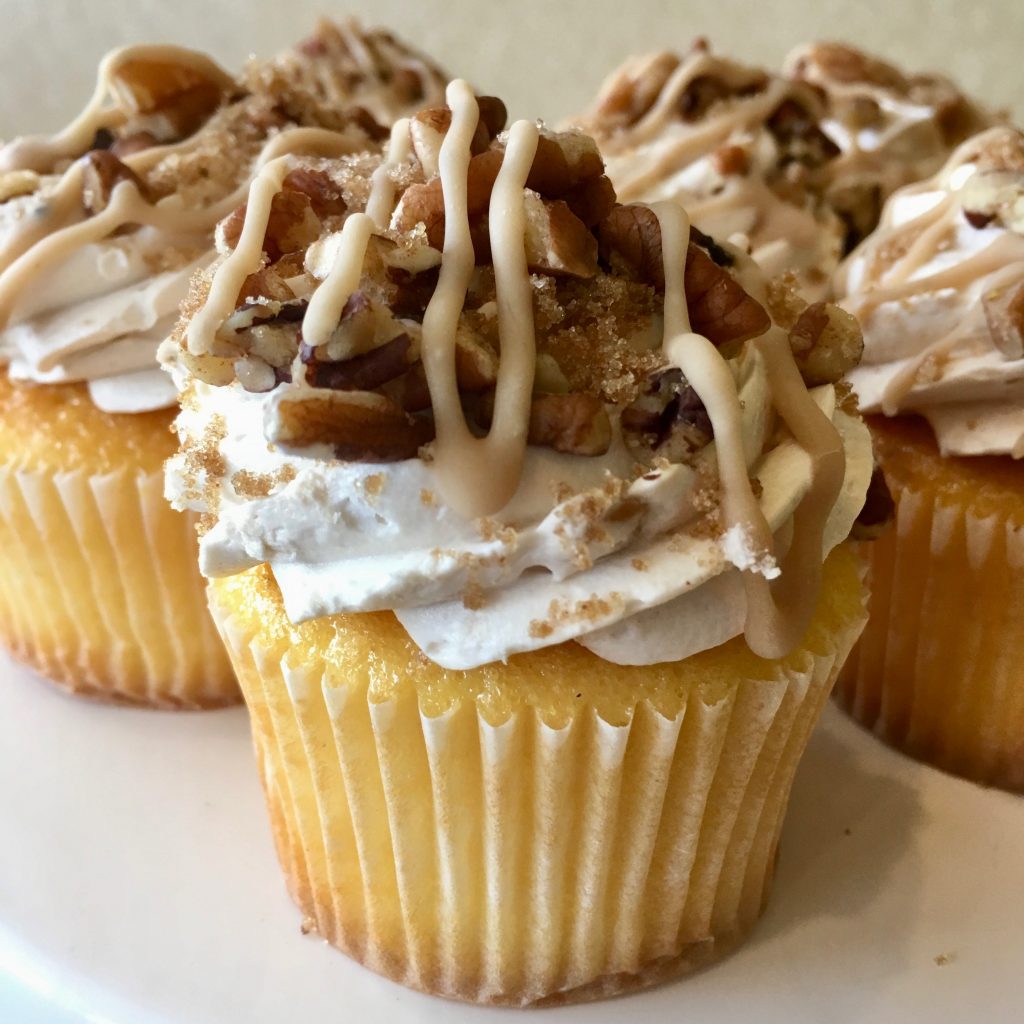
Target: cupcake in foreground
column 939, row 289
column 532, row 643
column 741, row 148
column 889, row 128
column 101, row 227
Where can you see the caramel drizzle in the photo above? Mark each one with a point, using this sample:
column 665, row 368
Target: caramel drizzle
column 479, row 476
column 40, row 152
column 48, row 239
column 778, row 612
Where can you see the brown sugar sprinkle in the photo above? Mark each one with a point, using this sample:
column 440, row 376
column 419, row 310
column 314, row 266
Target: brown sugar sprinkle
column 259, row 485
column 373, row 484
column 639, row 564
column 428, row 498
column 474, row 597
column 204, row 465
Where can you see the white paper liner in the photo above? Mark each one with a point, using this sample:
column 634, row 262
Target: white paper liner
column 517, row 863
column 939, row 670
column 100, row 590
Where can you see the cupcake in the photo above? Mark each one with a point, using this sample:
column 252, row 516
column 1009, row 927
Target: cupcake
column 741, row 148
column 938, row 289
column 525, row 534
column 101, row 227
column 889, row 128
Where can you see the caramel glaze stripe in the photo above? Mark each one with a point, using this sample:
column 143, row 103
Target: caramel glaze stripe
column 479, row 476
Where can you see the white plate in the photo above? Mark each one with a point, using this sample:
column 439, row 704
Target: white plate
column 138, row 885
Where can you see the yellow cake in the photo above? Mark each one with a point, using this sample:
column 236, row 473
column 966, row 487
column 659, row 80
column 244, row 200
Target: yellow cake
column 525, row 704
column 938, row 288
column 102, row 227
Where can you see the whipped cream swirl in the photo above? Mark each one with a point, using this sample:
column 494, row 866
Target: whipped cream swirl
column 939, row 291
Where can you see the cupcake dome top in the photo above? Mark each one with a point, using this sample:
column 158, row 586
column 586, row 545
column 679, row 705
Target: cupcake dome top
column 464, row 381
column 938, row 289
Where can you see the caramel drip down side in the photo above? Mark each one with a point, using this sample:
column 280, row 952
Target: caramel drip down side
column 40, row 152
column 479, row 476
column 777, row 613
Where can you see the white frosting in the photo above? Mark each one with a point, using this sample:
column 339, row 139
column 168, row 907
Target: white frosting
column 928, row 347
column 99, row 317
column 343, row 536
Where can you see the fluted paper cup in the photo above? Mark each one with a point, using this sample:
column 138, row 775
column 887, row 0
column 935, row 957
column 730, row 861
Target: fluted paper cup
column 939, row 671
column 551, row 830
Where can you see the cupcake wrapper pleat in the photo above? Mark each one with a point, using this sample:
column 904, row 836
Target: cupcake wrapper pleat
column 938, row 672
column 99, row 589
column 517, row 862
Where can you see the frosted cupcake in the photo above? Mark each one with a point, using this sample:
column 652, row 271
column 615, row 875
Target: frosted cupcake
column 938, row 289
column 741, row 148
column 525, row 536
column 101, row 227
column 889, row 128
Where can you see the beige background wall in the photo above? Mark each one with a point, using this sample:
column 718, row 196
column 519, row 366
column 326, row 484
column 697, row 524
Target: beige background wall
column 545, row 58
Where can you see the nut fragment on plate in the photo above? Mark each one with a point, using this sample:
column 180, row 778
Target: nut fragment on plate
column 826, row 342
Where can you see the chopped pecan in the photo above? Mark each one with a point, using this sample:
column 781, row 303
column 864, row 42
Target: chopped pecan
column 1004, row 313
column 255, row 375
column 557, row 241
column 363, row 372
column 577, row 424
column 361, row 426
column 102, row 171
column 325, row 195
column 591, row 200
column 719, row 308
column 668, row 418
column 826, row 343
column 291, row 227
column 628, row 97
column 427, row 130
column 730, row 160
column 796, row 129
column 476, row 366
column 175, row 98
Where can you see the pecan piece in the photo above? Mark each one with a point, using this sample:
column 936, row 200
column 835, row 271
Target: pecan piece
column 577, row 424
column 291, row 227
column 361, row 426
column 668, row 418
column 557, row 241
column 325, row 195
column 796, row 130
column 363, row 372
column 174, row 98
column 101, row 172
column 826, row 343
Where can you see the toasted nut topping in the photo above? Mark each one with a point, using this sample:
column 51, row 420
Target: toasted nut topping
column 362, row 372
column 476, row 367
column 630, row 240
column 177, row 97
column 102, row 172
column 826, row 343
column 731, row 160
column 1004, row 313
column 360, row 425
column 292, row 226
column 557, row 241
column 325, row 195
column 577, row 424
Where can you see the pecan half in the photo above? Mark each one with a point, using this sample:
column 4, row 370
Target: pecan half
column 826, row 343
column 361, row 426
